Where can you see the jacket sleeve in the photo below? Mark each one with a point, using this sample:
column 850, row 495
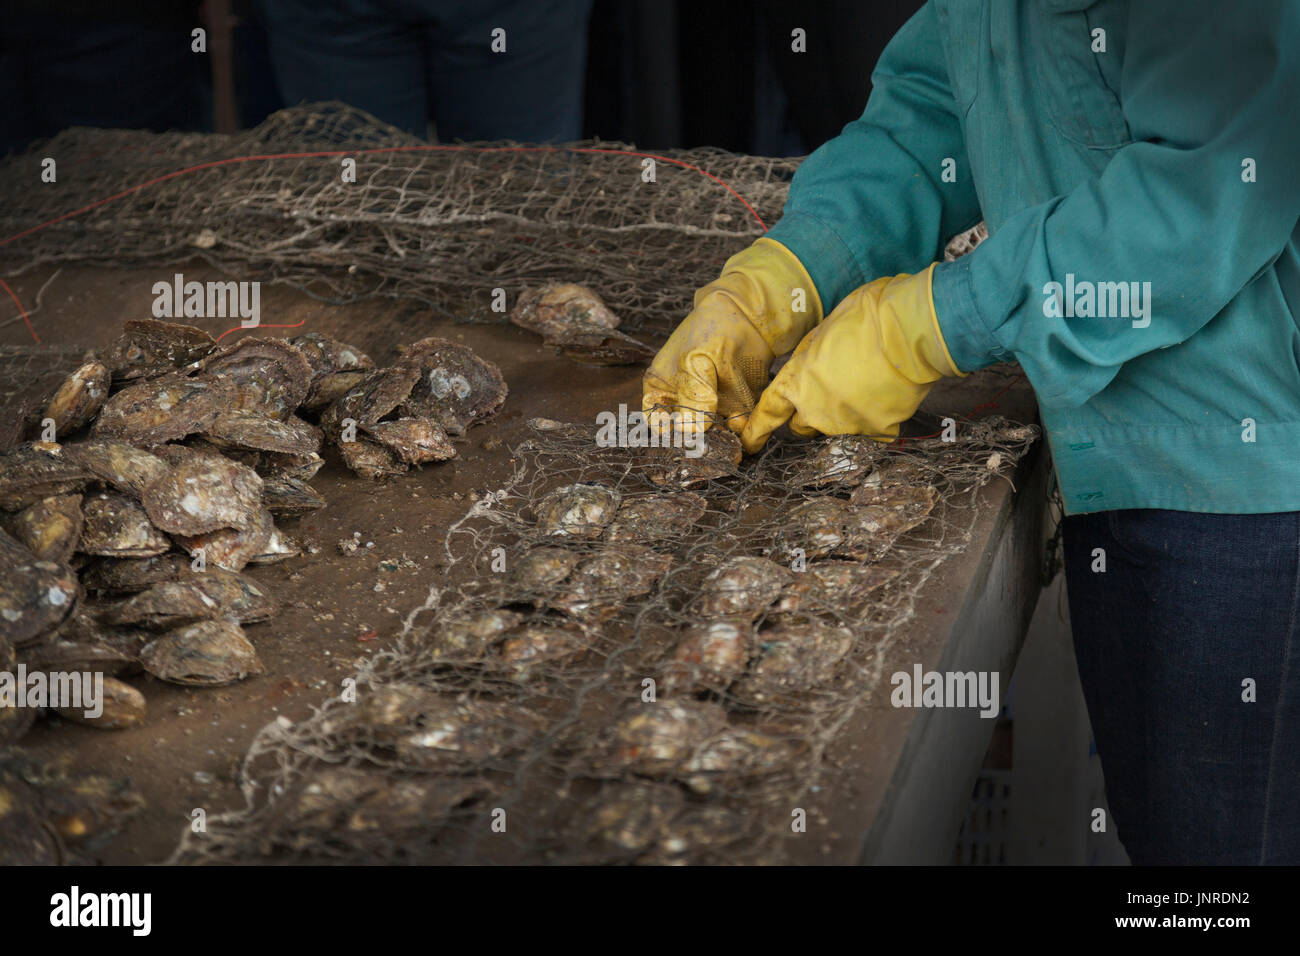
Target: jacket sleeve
column 872, row 202
column 1207, row 93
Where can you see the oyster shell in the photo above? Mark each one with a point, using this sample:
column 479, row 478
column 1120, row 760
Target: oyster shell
column 85, row 810
column 49, row 528
column 658, row 739
column 648, row 518
column 163, row 409
column 231, row 548
column 286, row 495
column 672, row 465
column 575, row 319
column 371, row 399
column 542, row 643
column 577, row 511
column 632, row 816
column 794, row 659
column 279, row 547
column 202, row 493
column 299, row 467
column 148, row 347
column 415, row 441
column 709, row 657
column 741, row 588
column 456, row 388
column 828, row 526
column 123, row 466
column 602, row 583
column 133, row 574
column 35, row 596
column 87, row 648
column 162, row 607
column 121, row 706
column 78, row 399
column 335, row 367
column 470, row 636
column 736, row 755
column 292, row 437
column 26, row 837
column 208, row 653
column 370, row 459
column 118, row 527
column 269, row 376
column 32, row 471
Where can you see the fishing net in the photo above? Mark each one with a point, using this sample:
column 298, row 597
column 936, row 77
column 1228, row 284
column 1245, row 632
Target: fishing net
column 435, row 223
column 457, row 749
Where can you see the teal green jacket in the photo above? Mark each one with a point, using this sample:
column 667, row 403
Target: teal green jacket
column 1138, row 165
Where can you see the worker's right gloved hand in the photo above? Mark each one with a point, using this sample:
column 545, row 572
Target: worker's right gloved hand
column 716, row 362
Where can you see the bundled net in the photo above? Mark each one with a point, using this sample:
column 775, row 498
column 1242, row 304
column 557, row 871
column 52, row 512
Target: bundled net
column 544, row 702
column 433, row 223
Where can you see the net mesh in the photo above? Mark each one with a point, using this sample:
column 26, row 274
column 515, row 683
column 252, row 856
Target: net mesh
column 435, row 223
column 456, row 755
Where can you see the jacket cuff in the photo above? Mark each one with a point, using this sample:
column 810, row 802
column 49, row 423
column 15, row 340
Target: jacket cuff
column 829, row 262
column 970, row 343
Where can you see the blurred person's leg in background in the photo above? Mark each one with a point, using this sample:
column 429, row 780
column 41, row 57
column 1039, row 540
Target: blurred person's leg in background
column 531, row 92
column 367, row 53
column 127, row 64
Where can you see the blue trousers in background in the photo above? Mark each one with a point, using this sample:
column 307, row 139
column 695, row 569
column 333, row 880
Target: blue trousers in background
column 1188, row 646
column 407, row 61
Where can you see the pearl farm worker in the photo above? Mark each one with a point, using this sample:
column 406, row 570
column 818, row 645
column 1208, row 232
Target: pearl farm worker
column 1151, row 143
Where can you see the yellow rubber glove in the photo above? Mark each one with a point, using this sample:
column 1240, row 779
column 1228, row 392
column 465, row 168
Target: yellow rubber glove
column 716, row 362
column 863, row 371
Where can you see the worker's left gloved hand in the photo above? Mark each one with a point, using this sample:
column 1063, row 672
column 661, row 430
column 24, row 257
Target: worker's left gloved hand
column 863, row 371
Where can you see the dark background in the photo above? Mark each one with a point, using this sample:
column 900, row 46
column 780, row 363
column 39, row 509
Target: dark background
column 660, row 73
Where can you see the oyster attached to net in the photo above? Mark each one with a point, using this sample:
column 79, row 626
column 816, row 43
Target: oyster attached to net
column 208, row 653
column 32, row 471
column 78, row 399
column 35, row 596
column 737, row 755
column 415, row 441
column 121, row 706
column 577, row 511
column 49, row 528
column 632, row 816
column 709, row 657
column 828, row 526
column 292, row 437
column 603, row 582
column 793, row 659
column 741, row 588
column 538, row 644
column 202, row 493
column 231, row 548
column 841, row 460
column 116, row 526
column 163, row 409
column 470, row 636
column 659, row 738
column 574, row 318
column 123, row 466
column 269, row 376
column 286, row 495
column 648, row 518
column 900, row 470
column 674, row 466
column 832, row 585
column 148, row 348
column 911, row 499
column 456, row 388
column 539, row 572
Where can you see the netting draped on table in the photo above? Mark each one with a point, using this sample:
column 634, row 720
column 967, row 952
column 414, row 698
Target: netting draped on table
column 443, row 223
column 627, row 661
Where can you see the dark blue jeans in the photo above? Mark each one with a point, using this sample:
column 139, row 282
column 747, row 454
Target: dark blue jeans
column 408, row 60
column 1191, row 612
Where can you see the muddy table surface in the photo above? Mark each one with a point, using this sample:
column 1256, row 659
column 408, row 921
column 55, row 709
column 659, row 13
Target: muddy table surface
column 913, row 770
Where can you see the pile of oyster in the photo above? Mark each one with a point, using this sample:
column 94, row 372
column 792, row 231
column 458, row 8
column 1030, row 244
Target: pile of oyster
column 160, row 470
